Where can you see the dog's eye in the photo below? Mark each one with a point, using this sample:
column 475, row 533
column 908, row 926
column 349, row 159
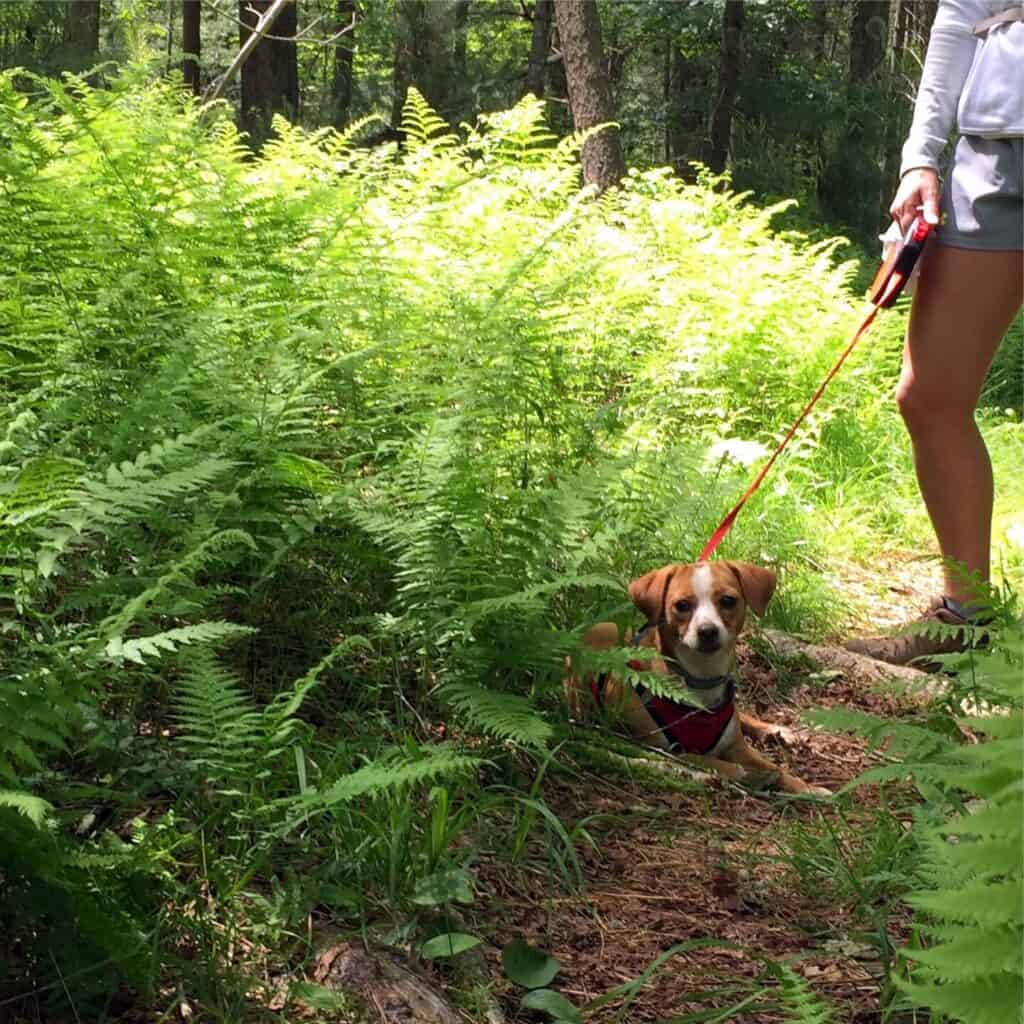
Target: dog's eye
column 684, row 607
column 727, row 601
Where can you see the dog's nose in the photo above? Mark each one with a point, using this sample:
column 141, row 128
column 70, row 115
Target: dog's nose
column 707, row 637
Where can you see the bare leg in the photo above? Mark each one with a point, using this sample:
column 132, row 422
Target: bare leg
column 966, row 300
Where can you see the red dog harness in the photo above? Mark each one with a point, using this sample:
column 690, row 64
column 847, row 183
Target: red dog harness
column 687, row 730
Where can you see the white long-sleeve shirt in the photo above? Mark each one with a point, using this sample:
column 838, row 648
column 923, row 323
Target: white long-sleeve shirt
column 980, row 79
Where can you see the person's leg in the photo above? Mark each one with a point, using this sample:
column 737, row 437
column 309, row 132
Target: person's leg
column 965, row 301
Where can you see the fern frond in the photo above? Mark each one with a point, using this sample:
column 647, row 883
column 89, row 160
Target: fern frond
column 392, row 770
column 505, row 715
column 32, row 807
column 799, row 1002
column 200, row 557
column 279, row 722
column 138, row 648
column 421, row 123
column 913, row 742
column 221, row 728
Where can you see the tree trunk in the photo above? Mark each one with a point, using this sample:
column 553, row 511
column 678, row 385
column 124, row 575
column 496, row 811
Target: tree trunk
column 899, row 45
column 925, row 15
column 459, row 43
column 82, row 27
column 190, row 43
column 897, row 118
column 270, row 76
column 819, row 29
column 684, row 118
column 590, row 98
column 540, row 46
column 344, row 54
column 867, row 38
column 728, row 76
column 421, row 58
column 170, row 34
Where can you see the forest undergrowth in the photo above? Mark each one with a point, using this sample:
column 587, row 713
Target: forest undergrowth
column 314, row 466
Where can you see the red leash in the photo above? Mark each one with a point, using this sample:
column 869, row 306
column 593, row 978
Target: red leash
column 887, row 285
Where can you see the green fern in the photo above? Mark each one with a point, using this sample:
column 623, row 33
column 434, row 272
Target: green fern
column 221, row 728
column 504, row 715
column 799, row 1003
column 422, row 125
column 32, row 807
column 395, row 769
column 139, row 648
column 965, row 961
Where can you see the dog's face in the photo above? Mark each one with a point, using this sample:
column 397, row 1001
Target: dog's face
column 700, row 609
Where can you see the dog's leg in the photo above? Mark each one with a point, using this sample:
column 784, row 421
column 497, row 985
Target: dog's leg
column 757, row 763
column 602, row 637
column 761, row 731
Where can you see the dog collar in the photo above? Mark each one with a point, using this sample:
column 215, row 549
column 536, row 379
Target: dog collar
column 698, row 682
column 692, row 682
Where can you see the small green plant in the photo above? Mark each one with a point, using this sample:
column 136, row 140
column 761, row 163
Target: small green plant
column 534, row 970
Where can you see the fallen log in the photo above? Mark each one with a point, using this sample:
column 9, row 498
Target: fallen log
column 388, row 989
column 853, row 666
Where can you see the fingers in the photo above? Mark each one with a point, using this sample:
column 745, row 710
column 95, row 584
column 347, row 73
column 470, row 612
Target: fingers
column 930, row 198
column 918, row 192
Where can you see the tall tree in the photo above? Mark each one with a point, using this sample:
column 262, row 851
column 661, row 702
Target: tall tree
column 459, row 44
column 868, row 32
column 421, row 58
column 819, row 29
column 540, row 46
column 685, row 115
column 190, row 42
column 270, row 76
column 590, row 95
column 82, row 28
column 344, row 54
column 897, row 110
column 728, row 76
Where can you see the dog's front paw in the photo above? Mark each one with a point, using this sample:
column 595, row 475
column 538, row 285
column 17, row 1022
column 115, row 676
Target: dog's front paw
column 782, row 734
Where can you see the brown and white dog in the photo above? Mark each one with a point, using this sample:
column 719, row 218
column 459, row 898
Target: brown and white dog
column 694, row 615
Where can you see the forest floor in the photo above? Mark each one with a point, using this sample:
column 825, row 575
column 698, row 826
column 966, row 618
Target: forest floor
column 765, row 875
column 758, row 876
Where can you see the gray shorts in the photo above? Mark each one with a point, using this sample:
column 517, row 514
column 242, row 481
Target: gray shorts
column 983, row 200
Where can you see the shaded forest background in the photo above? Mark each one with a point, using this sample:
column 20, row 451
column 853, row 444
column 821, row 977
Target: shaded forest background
column 804, row 98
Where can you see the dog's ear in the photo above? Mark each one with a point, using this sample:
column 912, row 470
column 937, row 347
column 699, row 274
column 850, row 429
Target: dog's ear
column 648, row 592
column 757, row 584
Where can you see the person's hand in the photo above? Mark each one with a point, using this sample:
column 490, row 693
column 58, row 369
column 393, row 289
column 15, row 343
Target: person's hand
column 918, row 188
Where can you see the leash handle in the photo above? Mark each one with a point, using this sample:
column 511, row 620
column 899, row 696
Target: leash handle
column 882, row 297
column 900, row 261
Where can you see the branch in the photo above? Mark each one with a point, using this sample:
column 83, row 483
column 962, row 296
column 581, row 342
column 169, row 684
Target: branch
column 261, row 28
column 298, row 38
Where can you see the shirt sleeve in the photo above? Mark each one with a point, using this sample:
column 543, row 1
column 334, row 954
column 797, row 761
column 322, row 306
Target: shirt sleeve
column 951, row 47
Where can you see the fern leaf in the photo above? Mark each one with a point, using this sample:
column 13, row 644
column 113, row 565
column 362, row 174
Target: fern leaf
column 32, row 807
column 139, row 648
column 421, row 123
column 995, row 1000
column 220, row 726
column 505, row 715
column 799, row 1002
column 393, row 770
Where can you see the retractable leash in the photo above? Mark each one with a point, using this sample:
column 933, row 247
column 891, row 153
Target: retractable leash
column 890, row 280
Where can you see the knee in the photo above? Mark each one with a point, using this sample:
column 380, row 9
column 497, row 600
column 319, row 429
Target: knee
column 914, row 405
column 924, row 409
